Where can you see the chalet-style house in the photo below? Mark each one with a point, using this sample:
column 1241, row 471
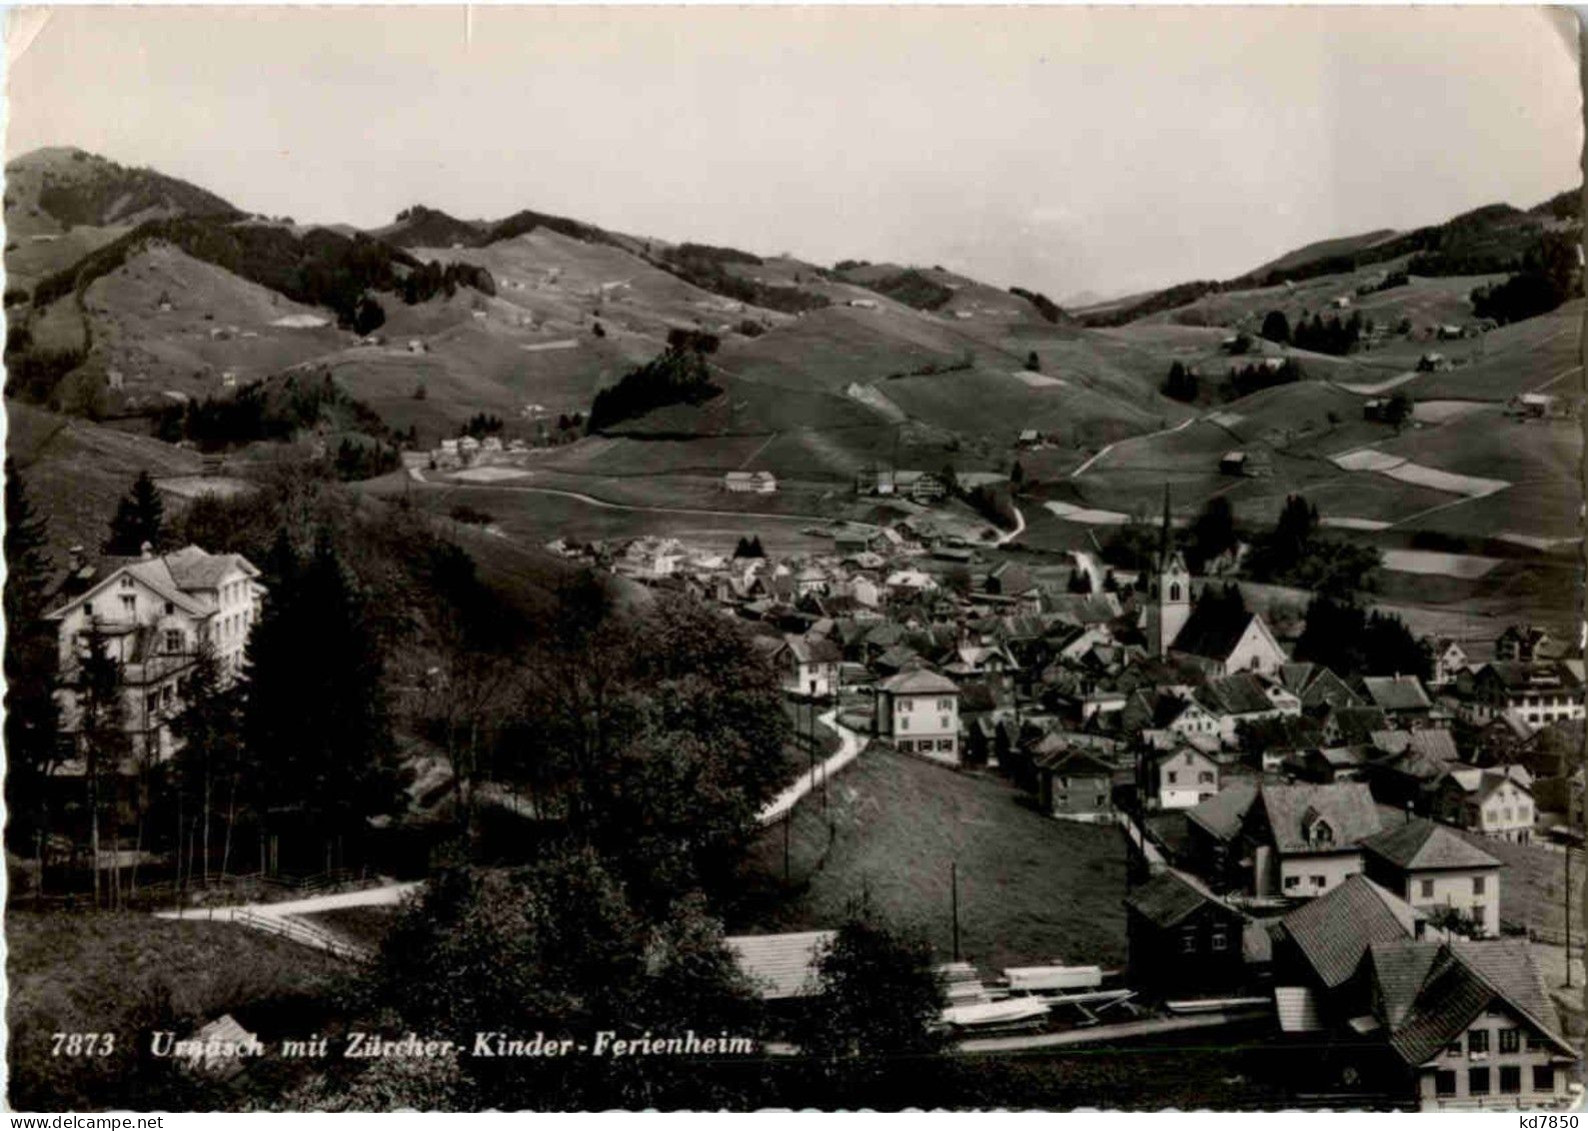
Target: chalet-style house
column 1449, row 1024
column 809, row 667
column 153, row 613
column 1181, row 937
column 1318, row 688
column 1431, row 867
column 1401, row 697
column 1536, row 692
column 1521, row 643
column 1075, row 785
column 918, row 711
column 1496, row 802
column 1298, row 841
column 1182, row 778
column 1469, row 1024
column 1245, row 698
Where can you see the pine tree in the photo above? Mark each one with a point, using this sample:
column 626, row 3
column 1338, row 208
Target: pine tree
column 31, row 661
column 139, row 518
column 316, row 719
column 209, row 763
column 102, row 739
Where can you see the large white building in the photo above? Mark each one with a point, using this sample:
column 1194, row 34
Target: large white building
column 919, row 711
column 153, row 614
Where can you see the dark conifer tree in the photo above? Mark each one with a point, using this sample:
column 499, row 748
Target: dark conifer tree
column 139, row 518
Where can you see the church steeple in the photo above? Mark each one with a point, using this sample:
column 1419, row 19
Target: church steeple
column 1174, row 587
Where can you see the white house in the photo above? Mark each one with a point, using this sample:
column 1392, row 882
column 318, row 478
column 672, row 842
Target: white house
column 1183, row 778
column 1431, row 867
column 153, row 614
column 750, row 482
column 1497, row 802
column 919, row 711
column 808, row 667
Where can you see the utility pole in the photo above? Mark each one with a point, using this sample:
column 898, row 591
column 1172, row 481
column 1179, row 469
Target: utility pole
column 953, row 887
column 788, row 819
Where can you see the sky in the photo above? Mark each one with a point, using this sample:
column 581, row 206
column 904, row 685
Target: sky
column 1066, row 150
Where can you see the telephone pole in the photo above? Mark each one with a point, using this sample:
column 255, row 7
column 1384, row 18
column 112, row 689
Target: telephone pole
column 953, row 888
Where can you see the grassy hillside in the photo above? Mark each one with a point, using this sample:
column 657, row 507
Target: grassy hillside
column 1031, row 890
column 129, row 974
column 76, row 471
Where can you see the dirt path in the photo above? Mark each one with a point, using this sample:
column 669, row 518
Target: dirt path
column 849, row 745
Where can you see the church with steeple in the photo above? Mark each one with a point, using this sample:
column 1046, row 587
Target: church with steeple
column 1216, row 631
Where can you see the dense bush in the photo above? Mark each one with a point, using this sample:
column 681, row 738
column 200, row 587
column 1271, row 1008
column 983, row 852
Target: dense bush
column 914, row 289
column 678, row 376
column 1549, row 276
column 1046, row 307
column 703, row 266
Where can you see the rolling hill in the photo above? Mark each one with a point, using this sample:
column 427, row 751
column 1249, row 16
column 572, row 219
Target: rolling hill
column 823, row 372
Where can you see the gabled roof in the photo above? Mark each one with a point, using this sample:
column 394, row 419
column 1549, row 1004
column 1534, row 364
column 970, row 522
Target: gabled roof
column 1073, row 763
column 1333, row 932
column 780, row 966
column 1396, row 693
column 809, row 651
column 1317, row 686
column 193, row 568
column 1421, row 844
column 1238, row 694
column 155, row 575
column 1223, row 813
column 1169, row 897
column 919, row 682
column 1430, row 992
column 1346, row 806
column 1357, row 724
column 1212, row 631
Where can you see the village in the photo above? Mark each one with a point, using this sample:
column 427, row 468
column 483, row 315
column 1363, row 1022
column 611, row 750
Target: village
column 1314, row 848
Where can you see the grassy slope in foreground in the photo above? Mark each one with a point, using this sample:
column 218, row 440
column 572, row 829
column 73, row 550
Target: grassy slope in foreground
column 124, row 974
column 1031, row 889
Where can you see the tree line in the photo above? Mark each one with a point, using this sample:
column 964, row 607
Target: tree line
column 679, row 375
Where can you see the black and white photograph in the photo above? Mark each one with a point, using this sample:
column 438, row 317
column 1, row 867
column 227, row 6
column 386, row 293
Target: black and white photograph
column 819, row 558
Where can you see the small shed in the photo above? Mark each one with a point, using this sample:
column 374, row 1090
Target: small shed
column 781, row 967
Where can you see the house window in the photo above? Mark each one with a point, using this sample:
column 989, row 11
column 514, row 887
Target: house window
column 1477, row 912
column 88, row 608
column 1173, row 777
column 1477, row 885
column 1454, row 1048
column 1292, row 881
column 1205, row 778
column 1510, row 1080
column 1219, row 939
column 1477, row 1081
column 170, row 607
column 1444, row 1083
column 904, row 724
column 173, row 640
column 1478, row 1041
column 126, row 582
column 1428, row 889
column 128, row 602
column 1188, row 941
column 1510, row 1040
column 942, row 722
column 1534, row 1042
column 1319, row 881
column 905, row 748
column 1543, row 1078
